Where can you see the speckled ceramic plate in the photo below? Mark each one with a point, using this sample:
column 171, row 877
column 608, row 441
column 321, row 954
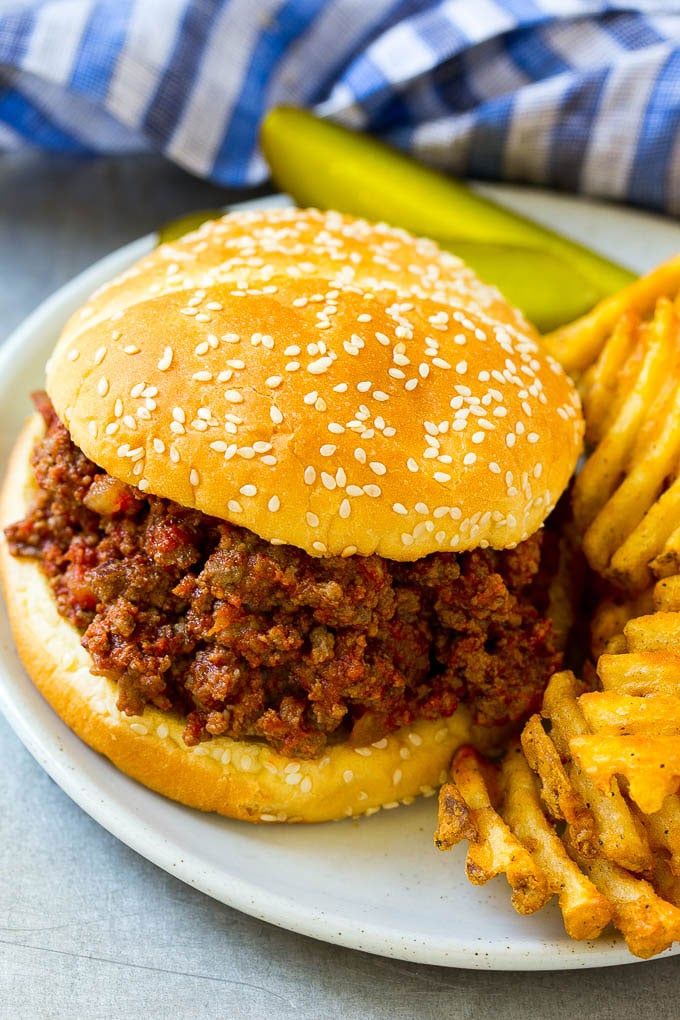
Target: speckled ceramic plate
column 375, row 884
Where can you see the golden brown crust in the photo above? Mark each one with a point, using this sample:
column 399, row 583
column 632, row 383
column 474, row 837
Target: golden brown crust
column 328, row 383
column 240, row 779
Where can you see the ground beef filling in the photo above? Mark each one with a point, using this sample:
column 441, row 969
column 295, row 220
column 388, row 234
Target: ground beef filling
column 192, row 614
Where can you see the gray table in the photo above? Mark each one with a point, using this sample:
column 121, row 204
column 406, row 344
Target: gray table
column 88, row 928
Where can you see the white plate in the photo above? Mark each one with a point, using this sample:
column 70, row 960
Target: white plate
column 375, row 884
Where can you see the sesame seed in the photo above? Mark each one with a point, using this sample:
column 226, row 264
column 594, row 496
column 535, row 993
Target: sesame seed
column 103, row 386
column 292, row 366
column 441, row 476
column 274, row 504
column 510, row 440
column 234, row 506
column 159, row 445
column 372, row 490
column 99, row 355
column 380, row 395
column 410, row 384
column 309, row 475
column 165, row 361
column 230, row 338
column 412, row 465
column 348, row 775
column 399, row 508
column 312, row 519
column 533, row 437
column 320, row 366
column 194, row 478
column 273, row 381
column 494, row 467
column 319, row 547
column 327, row 450
column 233, row 396
column 345, row 509
column 382, row 339
column 248, row 490
column 328, row 481
column 73, row 355
column 377, row 467
column 275, row 415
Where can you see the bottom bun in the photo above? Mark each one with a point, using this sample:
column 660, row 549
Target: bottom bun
column 243, row 779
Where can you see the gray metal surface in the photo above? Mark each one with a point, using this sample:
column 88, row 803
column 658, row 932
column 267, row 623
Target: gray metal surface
column 90, row 930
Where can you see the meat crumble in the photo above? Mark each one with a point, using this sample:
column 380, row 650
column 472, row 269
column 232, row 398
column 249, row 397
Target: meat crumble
column 196, row 615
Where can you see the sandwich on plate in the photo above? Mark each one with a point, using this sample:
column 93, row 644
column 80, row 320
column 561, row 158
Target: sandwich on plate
column 274, row 536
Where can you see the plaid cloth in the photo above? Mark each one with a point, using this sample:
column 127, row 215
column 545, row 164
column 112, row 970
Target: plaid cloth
column 575, row 94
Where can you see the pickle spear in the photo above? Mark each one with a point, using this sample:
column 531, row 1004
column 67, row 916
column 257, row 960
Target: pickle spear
column 545, row 287
column 322, row 164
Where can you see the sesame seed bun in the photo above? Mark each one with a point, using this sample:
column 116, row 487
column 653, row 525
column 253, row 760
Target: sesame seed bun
column 324, row 382
column 240, row 779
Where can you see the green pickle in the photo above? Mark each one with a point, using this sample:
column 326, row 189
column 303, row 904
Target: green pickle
column 551, row 278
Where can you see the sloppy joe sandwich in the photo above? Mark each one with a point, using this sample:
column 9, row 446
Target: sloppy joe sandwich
column 274, row 537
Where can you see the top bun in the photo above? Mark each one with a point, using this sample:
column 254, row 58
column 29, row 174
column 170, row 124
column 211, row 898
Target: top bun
column 325, row 382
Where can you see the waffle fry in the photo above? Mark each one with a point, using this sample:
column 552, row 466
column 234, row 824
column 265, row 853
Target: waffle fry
column 538, row 786
column 619, row 835
column 623, row 502
column 592, row 790
column 578, row 345
column 663, row 830
column 466, row 812
column 562, row 800
column 585, row 911
column 649, row 923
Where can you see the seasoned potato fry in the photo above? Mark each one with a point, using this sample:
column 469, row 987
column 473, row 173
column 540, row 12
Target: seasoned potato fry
column 648, row 923
column 663, row 830
column 666, row 883
column 610, row 712
column 656, row 633
column 640, row 673
column 579, row 344
column 454, row 819
column 619, row 835
column 650, row 764
column 561, row 799
column 493, row 849
column 585, row 911
column 666, row 595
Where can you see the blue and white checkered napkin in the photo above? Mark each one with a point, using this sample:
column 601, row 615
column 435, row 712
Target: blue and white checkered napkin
column 577, row 94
